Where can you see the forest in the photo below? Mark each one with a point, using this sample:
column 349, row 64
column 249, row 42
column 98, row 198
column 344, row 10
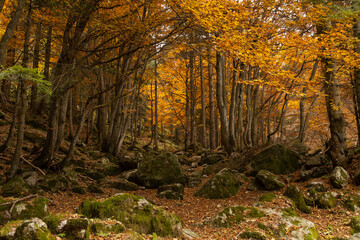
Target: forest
column 179, row 119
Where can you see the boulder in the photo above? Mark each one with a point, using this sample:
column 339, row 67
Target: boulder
column 269, row 180
column 315, row 172
column 294, row 193
column 299, row 147
column 315, row 188
column 339, row 178
column 155, row 171
column 7, row 232
column 171, row 191
column 252, row 235
column 305, row 229
column 267, row 197
column 30, row 178
column 357, row 178
column 351, row 203
column 124, row 185
column 74, row 228
column 255, row 185
column 100, row 227
column 34, row 229
column 16, row 187
column 35, row 208
column 326, row 200
column 211, row 159
column 194, row 178
column 355, row 224
column 54, row 183
column 134, row 212
column 276, row 159
column 316, row 161
column 356, row 236
column 94, row 188
column 236, row 214
column 223, row 185
column 189, row 234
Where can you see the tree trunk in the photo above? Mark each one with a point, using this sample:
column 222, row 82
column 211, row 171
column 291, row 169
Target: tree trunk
column 211, row 103
column 203, row 105
column 192, row 100
column 222, row 102
column 356, row 81
column 156, row 146
column 34, row 90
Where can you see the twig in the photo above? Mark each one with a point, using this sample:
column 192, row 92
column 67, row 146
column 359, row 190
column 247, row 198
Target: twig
column 86, row 177
column 32, row 165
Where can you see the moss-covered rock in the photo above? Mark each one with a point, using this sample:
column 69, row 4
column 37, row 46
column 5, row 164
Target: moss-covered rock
column 326, row 200
column 124, row 185
column 34, row 229
column 339, row 178
column 7, row 232
column 351, row 203
column 294, row 193
column 134, row 212
column 223, row 185
column 155, row 171
column 276, row 159
column 355, row 224
column 236, row 214
column 54, row 183
column 53, row 221
column 36, row 207
column 94, row 188
column 269, row 180
column 211, row 159
column 104, row 228
column 16, row 187
column 74, row 229
column 267, row 197
column 357, row 178
column 252, row 235
column 78, row 189
column 306, row 229
column 171, row 191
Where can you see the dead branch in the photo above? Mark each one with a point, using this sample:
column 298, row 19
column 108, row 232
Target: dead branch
column 33, row 166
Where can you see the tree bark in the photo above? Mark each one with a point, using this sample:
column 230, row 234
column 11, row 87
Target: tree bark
column 356, row 81
column 203, row 105
column 211, row 103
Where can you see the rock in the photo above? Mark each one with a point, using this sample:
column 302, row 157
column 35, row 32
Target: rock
column 355, row 224
column 30, row 178
column 294, row 193
column 316, row 186
column 255, row 185
column 316, row 161
column 155, row 171
column 236, row 214
column 223, row 185
column 35, row 208
column 339, row 178
column 129, row 163
column 267, row 197
column 70, row 174
column 351, row 203
column 189, row 234
column 124, row 185
column 211, row 159
column 93, row 188
column 356, row 236
column 54, row 183
column 315, row 172
column 16, row 187
column 134, row 212
column 269, row 180
column 7, row 232
column 194, row 179
column 171, row 191
column 299, row 147
column 213, row 169
column 104, row 228
column 326, row 200
column 306, row 231
column 75, row 228
column 78, row 189
column 252, row 235
column 34, row 229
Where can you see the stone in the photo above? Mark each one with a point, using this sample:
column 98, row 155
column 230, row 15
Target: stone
column 255, row 185
column 189, row 234
column 74, row 228
column 99, row 227
column 54, row 183
column 94, row 188
column 326, row 200
column 351, row 203
column 357, row 178
column 124, row 185
column 30, row 178
column 269, row 180
column 15, row 187
column 194, row 178
column 315, row 172
column 78, row 189
column 155, row 171
column 299, row 147
column 34, row 208
column 355, row 224
column 235, row 214
column 223, row 185
column 252, row 235
column 211, row 159
column 294, row 193
column 7, row 232
column 339, row 178
column 129, row 163
column 356, row 236
column 276, row 159
column 171, row 191
column 267, row 197
column 134, row 212
column 306, row 231
column 34, row 229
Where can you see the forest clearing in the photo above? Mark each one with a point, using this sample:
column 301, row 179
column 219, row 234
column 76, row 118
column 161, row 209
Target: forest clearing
column 170, row 119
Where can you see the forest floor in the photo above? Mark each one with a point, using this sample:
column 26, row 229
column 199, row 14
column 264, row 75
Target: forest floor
column 194, row 210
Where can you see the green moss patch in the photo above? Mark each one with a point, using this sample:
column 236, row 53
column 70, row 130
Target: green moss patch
column 267, row 197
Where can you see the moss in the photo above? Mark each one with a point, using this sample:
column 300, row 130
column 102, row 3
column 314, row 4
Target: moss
column 106, row 228
column 312, row 235
column 7, row 228
column 326, row 200
column 73, row 229
column 134, row 212
column 289, row 212
column 252, row 235
column 78, row 189
column 53, row 220
column 38, row 207
column 355, row 225
column 351, row 203
column 294, row 193
column 223, row 185
column 268, row 197
column 14, row 188
column 236, row 214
